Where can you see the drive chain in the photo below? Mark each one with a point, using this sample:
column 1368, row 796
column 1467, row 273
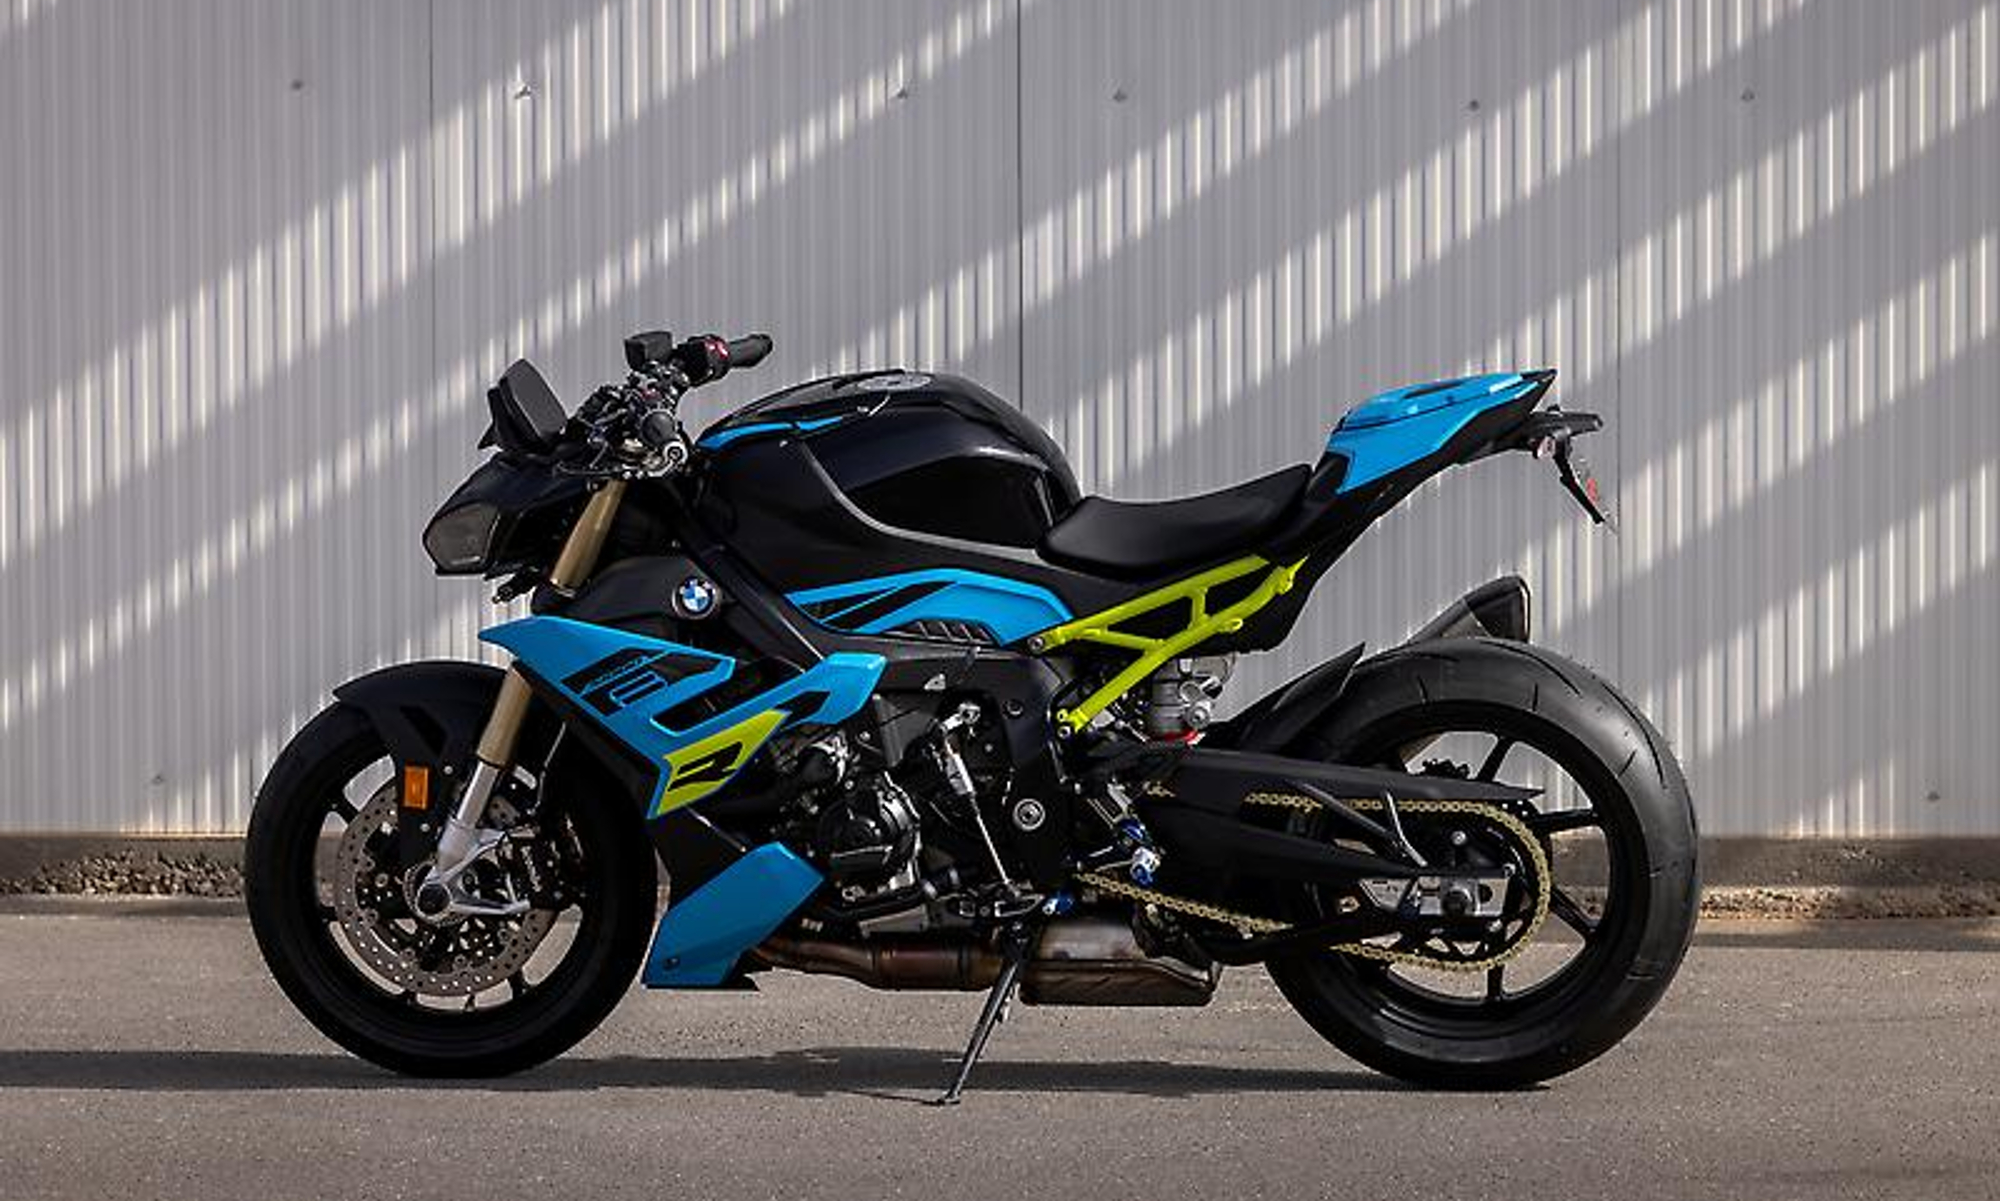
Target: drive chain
column 1254, row 925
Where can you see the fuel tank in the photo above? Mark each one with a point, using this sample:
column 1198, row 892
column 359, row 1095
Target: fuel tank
column 931, row 453
column 865, row 481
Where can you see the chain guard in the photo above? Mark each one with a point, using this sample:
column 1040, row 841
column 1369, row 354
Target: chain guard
column 1524, row 839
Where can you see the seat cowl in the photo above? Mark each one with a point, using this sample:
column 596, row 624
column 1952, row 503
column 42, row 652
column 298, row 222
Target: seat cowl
column 1144, row 540
column 1391, row 431
column 1398, row 404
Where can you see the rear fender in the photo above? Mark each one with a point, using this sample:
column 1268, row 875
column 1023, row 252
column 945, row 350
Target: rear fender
column 1276, row 719
column 1274, row 722
column 1496, row 609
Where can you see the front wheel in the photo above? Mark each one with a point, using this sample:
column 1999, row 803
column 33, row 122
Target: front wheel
column 1617, row 830
column 331, row 905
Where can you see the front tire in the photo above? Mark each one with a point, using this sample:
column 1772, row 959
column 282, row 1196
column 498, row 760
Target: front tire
column 310, row 797
column 1397, row 709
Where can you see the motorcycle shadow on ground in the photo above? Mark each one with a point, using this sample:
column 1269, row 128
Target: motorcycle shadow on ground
column 883, row 1073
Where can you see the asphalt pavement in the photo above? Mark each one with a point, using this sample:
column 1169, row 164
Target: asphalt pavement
column 143, row 1053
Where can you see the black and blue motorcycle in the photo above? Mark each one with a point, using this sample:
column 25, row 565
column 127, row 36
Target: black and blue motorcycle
column 888, row 699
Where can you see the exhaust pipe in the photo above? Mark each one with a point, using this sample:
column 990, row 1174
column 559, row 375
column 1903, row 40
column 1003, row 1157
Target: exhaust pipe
column 887, row 963
column 1077, row 961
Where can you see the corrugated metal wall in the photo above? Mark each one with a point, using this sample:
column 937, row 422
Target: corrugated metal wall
column 260, row 258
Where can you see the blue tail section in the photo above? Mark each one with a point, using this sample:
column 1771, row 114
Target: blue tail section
column 704, row 933
column 1386, row 433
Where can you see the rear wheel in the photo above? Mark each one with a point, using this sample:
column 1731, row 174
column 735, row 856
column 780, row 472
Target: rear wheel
column 478, row 996
column 1616, row 827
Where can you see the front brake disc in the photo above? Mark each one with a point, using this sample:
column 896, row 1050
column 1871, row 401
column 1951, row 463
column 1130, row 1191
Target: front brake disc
column 448, row 959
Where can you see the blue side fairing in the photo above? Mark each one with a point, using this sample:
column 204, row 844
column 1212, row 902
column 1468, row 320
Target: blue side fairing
column 1390, row 431
column 629, row 682
column 607, row 672
column 1009, row 609
column 701, row 935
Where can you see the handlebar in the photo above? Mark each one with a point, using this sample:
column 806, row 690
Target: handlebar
column 643, row 413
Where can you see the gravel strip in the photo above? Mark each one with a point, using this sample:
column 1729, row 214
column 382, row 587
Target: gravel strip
column 151, row 873
column 133, row 873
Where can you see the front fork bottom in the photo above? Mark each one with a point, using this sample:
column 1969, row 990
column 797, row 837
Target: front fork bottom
column 464, row 842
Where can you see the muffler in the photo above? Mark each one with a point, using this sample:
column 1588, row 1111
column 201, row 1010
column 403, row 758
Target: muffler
column 1077, row 961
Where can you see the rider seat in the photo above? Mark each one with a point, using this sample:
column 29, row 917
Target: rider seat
column 1143, row 540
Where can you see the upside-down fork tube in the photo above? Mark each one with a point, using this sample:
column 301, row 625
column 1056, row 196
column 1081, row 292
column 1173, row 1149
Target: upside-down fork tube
column 495, row 753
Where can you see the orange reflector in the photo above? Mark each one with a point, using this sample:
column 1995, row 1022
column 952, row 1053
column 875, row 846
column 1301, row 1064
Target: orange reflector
column 416, row 787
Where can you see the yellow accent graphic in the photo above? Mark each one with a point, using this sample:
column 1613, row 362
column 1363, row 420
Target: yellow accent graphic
column 701, row 767
column 1201, row 626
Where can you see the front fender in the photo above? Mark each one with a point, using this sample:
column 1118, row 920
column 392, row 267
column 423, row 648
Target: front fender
column 428, row 713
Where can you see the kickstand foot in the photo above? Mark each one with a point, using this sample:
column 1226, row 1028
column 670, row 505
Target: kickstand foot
column 1015, row 943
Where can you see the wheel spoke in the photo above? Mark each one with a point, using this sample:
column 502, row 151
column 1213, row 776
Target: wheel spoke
column 1494, row 758
column 1495, row 989
column 345, row 808
column 1563, row 820
column 327, row 914
column 1566, row 907
column 516, row 985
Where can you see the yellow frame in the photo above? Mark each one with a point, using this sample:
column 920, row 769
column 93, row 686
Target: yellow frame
column 1152, row 652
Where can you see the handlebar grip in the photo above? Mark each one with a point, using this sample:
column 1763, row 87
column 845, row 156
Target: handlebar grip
column 749, row 350
column 658, row 429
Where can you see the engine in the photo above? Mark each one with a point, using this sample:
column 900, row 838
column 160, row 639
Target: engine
column 904, row 844
column 866, row 836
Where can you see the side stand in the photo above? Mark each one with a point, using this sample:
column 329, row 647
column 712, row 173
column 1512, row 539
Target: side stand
column 1015, row 943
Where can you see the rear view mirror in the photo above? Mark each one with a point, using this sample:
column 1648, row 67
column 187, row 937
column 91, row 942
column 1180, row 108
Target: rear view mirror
column 526, row 414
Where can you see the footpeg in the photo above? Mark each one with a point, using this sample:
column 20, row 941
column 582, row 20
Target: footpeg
column 1144, row 866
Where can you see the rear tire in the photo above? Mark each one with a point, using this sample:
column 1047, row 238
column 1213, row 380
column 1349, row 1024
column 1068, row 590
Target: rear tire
column 296, row 934
column 1641, row 804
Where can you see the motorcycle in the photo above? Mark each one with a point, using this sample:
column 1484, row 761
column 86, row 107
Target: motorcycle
column 887, row 698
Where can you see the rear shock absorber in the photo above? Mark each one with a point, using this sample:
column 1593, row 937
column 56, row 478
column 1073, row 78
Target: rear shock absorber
column 1181, row 695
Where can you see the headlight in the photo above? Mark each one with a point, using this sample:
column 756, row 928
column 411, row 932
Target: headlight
column 461, row 540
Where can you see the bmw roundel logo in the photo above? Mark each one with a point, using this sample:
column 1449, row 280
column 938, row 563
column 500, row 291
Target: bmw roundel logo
column 695, row 597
